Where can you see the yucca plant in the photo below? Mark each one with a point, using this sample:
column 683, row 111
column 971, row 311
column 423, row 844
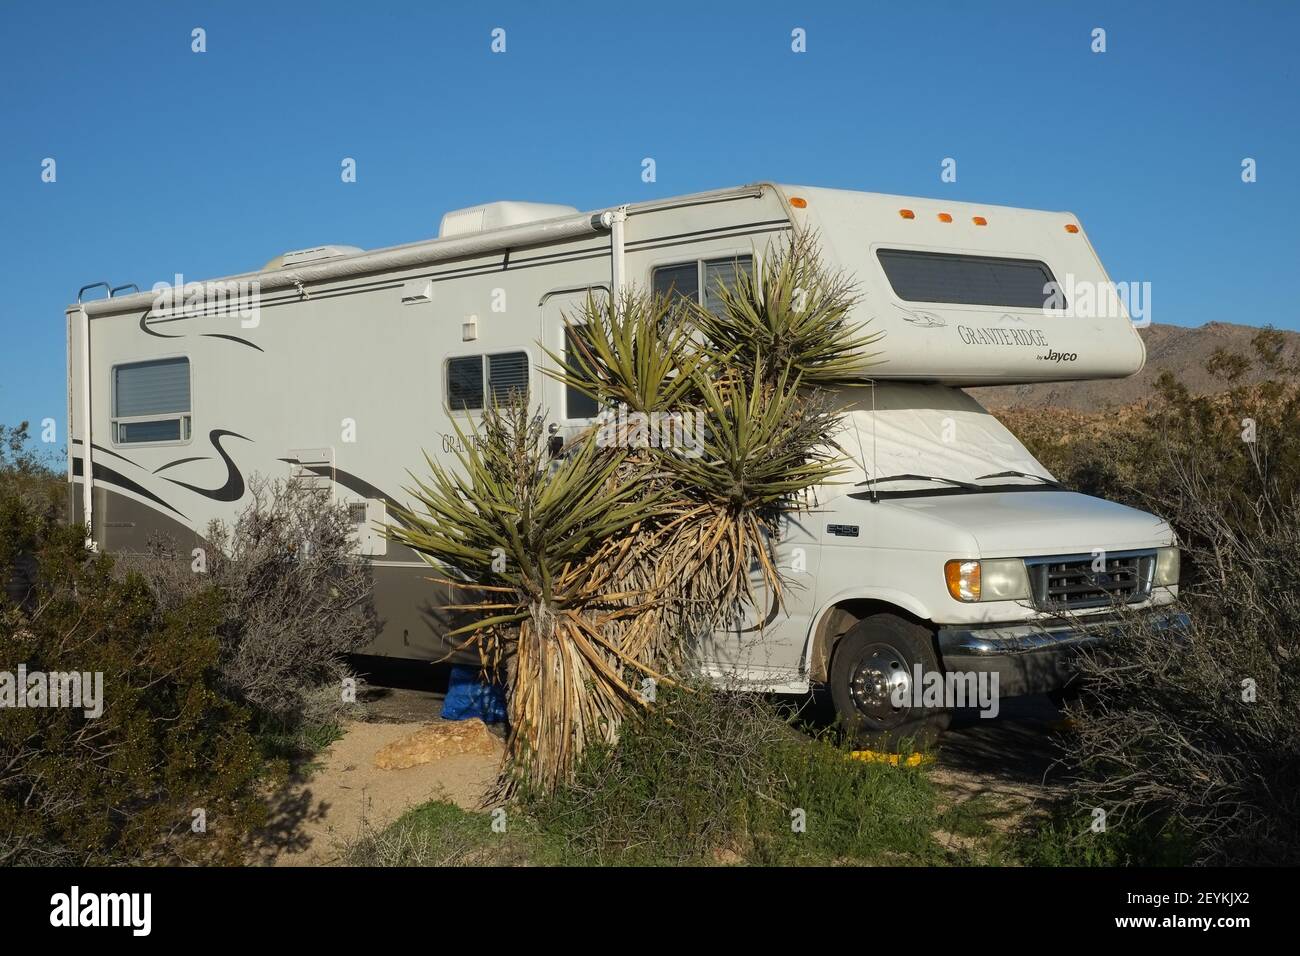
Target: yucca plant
column 635, row 350
column 763, row 447
column 539, row 547
column 790, row 316
column 589, row 572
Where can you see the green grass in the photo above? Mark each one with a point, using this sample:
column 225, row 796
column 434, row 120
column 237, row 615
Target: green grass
column 703, row 779
column 1063, row 836
column 298, row 742
column 712, row 779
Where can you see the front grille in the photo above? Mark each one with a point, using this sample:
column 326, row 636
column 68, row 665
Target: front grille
column 1069, row 582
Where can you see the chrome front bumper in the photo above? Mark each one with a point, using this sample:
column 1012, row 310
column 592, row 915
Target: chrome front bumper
column 1035, row 657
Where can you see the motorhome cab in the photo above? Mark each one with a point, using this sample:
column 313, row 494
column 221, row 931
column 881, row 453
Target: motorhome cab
column 949, row 547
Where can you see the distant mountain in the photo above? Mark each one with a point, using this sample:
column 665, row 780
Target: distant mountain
column 1174, row 348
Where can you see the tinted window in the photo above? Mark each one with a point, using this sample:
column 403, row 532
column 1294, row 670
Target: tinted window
column 683, row 280
column 968, row 280
column 576, row 403
column 167, row 429
column 465, row 383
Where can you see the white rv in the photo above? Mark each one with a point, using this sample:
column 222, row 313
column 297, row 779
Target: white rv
column 949, row 547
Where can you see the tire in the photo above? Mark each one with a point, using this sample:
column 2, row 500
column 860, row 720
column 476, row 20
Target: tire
column 867, row 664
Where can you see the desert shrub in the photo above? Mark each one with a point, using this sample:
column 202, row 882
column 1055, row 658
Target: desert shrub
column 30, row 493
column 121, row 785
column 1205, row 737
column 295, row 601
column 1201, row 740
column 707, row 777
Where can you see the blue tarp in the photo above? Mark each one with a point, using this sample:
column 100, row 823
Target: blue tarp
column 468, row 695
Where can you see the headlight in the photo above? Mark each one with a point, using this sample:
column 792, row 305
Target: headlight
column 1168, row 563
column 1002, row 579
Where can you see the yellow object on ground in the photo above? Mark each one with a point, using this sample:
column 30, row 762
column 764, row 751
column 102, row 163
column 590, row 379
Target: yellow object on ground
column 894, row 760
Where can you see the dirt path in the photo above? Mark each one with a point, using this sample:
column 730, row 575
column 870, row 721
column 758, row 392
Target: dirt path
column 313, row 817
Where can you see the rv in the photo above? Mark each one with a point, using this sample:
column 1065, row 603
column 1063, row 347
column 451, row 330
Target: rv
column 949, row 547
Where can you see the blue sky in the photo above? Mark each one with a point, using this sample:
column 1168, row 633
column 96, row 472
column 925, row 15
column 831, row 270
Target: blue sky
column 209, row 164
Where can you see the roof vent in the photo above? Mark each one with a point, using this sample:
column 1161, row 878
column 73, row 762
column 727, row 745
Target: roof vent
column 302, row 256
column 498, row 215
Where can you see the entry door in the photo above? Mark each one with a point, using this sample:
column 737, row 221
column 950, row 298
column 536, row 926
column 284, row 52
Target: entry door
column 567, row 409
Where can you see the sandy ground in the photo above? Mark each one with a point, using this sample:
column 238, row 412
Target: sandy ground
column 311, row 818
column 1009, row 760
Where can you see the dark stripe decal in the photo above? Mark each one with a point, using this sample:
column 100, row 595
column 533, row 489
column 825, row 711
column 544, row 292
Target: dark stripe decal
column 108, row 476
column 233, row 489
column 181, row 461
column 107, row 451
column 145, row 328
column 233, row 338
column 348, row 480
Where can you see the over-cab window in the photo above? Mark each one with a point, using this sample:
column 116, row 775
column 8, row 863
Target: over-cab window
column 970, row 280
column 151, row 401
column 700, row 279
column 472, row 378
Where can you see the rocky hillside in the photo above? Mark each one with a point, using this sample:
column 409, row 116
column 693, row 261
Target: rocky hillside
column 1183, row 351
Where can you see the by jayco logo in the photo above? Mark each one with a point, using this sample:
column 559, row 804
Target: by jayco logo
column 1058, row 357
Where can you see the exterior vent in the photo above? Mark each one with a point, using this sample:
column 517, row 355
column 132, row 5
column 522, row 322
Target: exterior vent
column 498, row 215
column 316, row 254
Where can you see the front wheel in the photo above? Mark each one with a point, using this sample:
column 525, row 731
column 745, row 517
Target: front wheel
column 873, row 675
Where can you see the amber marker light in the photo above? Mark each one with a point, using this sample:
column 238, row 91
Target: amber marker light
column 945, row 217
column 1071, row 228
column 979, row 221
column 963, row 579
column 907, row 214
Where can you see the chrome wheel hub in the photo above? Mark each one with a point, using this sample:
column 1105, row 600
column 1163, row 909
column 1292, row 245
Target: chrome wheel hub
column 880, row 678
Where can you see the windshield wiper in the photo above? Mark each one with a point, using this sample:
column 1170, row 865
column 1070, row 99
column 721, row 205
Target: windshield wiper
column 1021, row 474
column 950, row 481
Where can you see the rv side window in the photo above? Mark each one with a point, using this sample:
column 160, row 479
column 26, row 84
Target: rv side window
column 682, row 280
column 699, row 281
column 970, row 280
column 465, row 383
column 720, row 272
column 151, row 401
column 576, row 403
column 508, row 376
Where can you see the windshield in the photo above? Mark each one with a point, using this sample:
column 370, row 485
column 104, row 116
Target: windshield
column 929, row 438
